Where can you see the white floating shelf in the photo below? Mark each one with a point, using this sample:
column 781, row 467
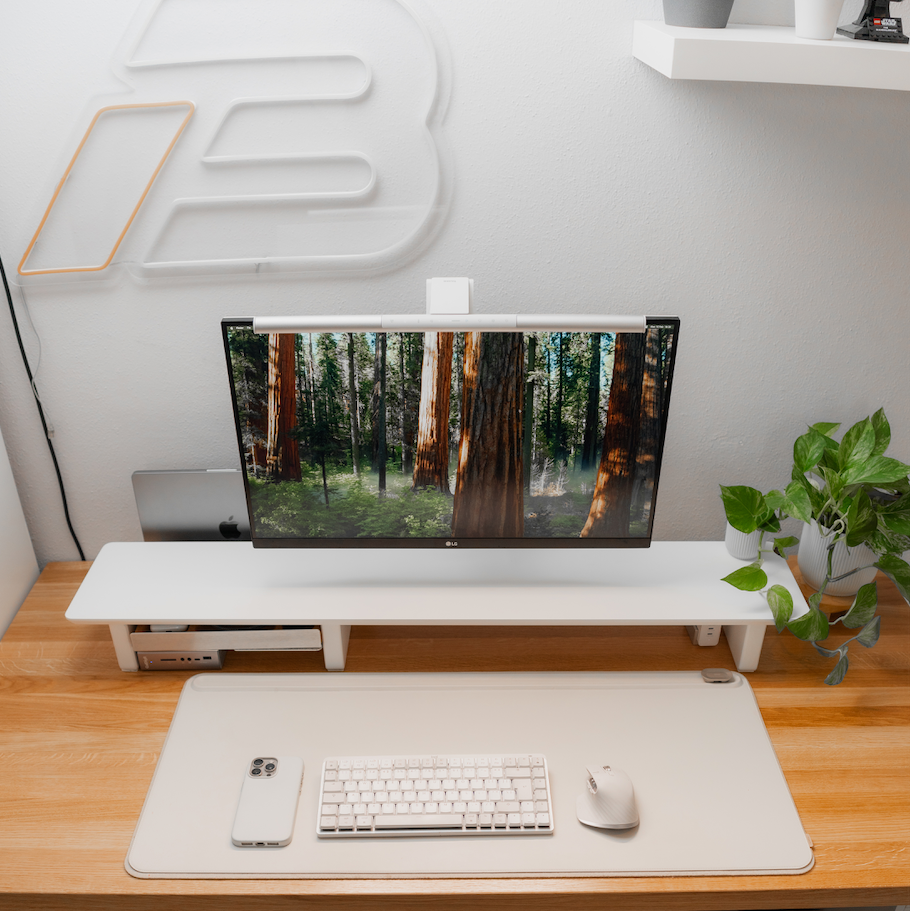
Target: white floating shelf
column 770, row 53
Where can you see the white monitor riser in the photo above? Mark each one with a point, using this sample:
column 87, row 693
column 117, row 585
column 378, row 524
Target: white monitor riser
column 672, row 583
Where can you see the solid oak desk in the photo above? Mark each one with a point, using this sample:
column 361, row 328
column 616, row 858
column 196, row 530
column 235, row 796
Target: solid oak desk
column 80, row 739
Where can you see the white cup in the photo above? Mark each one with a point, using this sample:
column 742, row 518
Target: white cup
column 817, row 18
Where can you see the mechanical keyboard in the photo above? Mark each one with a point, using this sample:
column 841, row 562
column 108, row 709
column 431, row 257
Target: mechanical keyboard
column 374, row 796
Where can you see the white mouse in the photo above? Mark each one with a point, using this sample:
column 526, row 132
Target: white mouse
column 608, row 802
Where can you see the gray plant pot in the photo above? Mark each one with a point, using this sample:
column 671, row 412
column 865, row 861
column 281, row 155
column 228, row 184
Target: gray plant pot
column 697, row 13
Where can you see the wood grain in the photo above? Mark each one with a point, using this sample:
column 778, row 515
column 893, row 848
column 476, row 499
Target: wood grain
column 79, row 740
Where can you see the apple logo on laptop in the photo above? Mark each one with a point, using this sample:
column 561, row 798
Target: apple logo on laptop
column 230, row 530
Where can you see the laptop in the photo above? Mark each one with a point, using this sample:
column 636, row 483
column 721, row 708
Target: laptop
column 192, row 505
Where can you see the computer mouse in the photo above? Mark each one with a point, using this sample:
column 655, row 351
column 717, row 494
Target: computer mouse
column 608, row 802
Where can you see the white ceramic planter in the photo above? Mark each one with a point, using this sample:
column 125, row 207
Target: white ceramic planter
column 813, row 562
column 745, row 547
column 697, row 13
column 817, row 18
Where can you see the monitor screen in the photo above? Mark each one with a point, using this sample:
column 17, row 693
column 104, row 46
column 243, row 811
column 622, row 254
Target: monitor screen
column 432, row 439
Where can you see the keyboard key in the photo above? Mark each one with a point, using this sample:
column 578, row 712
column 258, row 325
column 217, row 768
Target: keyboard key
column 419, row 821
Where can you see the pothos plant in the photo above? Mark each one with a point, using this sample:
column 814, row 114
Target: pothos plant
column 856, row 494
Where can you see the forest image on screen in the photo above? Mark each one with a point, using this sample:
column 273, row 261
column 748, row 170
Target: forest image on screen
column 439, row 435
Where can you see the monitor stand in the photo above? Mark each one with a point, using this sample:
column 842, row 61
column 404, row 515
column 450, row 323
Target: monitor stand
column 231, row 584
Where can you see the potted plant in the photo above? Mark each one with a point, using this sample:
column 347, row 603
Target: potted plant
column 850, row 495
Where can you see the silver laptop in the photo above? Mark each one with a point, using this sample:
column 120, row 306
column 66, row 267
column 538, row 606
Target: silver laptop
column 192, row 505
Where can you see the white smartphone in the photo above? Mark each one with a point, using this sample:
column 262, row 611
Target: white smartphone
column 268, row 802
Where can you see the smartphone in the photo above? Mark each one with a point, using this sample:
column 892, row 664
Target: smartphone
column 268, row 802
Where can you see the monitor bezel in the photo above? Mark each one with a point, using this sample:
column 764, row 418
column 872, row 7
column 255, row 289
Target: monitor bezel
column 461, row 543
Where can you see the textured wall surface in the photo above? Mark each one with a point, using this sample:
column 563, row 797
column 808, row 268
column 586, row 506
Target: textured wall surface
column 772, row 219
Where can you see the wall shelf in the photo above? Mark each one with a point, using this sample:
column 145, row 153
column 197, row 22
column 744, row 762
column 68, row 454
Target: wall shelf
column 769, row 53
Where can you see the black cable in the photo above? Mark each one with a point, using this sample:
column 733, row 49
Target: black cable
column 47, row 435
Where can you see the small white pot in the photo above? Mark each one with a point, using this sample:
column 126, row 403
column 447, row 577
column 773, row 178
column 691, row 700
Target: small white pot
column 817, row 18
column 812, row 558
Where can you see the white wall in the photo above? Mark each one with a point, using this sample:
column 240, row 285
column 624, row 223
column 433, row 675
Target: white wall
column 772, row 219
column 18, row 567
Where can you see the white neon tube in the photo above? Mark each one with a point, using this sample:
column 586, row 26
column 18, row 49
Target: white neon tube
column 470, row 322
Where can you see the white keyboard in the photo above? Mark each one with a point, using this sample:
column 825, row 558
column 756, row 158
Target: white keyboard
column 434, row 795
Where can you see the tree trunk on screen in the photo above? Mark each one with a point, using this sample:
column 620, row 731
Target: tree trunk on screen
column 374, row 406
column 592, row 409
column 381, row 454
column 612, row 502
column 528, row 432
column 355, row 422
column 431, row 465
column 651, row 408
column 559, row 448
column 282, row 451
column 488, row 489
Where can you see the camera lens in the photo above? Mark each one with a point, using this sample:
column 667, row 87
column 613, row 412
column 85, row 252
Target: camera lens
column 270, row 767
column 255, row 771
column 257, row 762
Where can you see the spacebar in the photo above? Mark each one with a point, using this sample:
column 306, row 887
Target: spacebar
column 419, row 821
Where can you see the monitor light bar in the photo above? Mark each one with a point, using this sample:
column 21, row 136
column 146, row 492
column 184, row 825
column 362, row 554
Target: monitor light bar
column 470, row 322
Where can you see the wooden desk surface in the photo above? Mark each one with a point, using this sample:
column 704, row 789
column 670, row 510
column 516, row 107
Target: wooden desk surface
column 79, row 740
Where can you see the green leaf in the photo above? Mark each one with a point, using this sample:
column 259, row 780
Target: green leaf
column 863, row 608
column 812, row 625
column 861, row 519
column 857, row 444
column 784, row 543
column 771, row 528
column 744, row 507
column 808, row 449
column 899, row 506
column 797, row 502
column 898, row 570
column 887, row 542
column 870, row 633
column 774, row 499
column 898, row 524
column 875, row 470
column 835, row 482
column 840, row 670
column 826, row 428
column 781, row 603
column 882, row 432
column 749, row 578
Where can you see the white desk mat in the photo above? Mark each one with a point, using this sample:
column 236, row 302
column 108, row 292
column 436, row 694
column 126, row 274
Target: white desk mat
column 711, row 794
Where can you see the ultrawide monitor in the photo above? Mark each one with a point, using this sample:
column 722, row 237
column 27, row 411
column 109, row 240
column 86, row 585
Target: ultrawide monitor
column 434, row 439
